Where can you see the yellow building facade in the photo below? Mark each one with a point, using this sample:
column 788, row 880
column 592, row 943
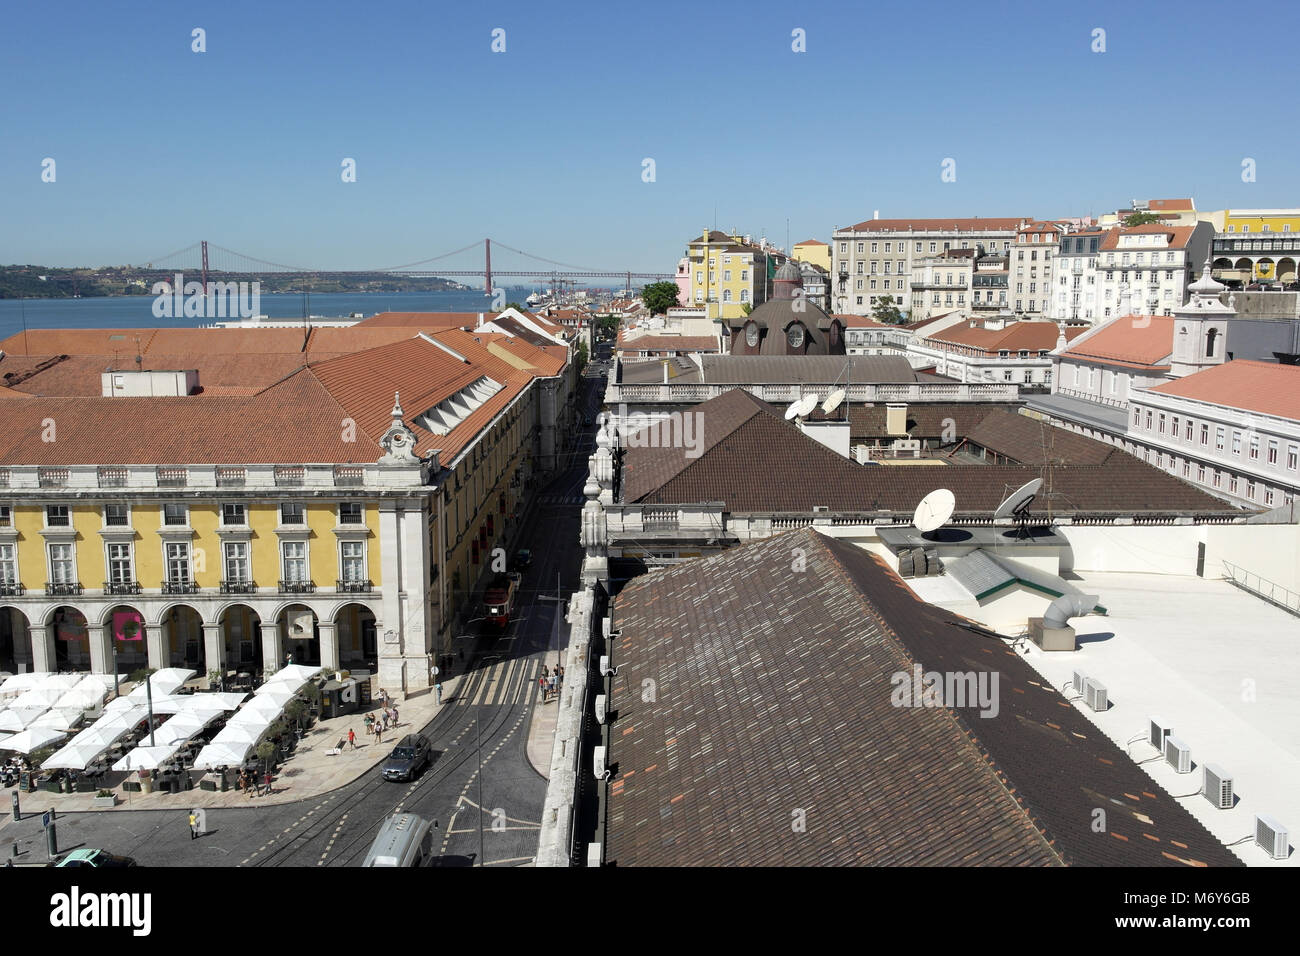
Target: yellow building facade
column 727, row 274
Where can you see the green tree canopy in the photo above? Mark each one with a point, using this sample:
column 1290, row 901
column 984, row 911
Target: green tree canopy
column 1140, row 218
column 659, row 297
column 886, row 310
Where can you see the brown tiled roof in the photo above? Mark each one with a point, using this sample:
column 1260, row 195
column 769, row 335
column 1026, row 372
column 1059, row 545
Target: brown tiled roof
column 1032, row 336
column 1181, row 205
column 761, row 463
column 1134, row 340
column 219, row 372
column 793, row 369
column 1029, row 441
column 238, row 341
column 1264, row 387
column 776, row 693
column 666, row 343
column 937, row 225
column 77, row 342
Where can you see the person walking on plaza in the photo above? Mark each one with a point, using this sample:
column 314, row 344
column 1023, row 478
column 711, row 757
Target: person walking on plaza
column 394, row 715
column 437, row 692
column 267, row 781
column 194, row 826
column 541, row 686
column 352, row 738
column 370, row 724
column 379, row 732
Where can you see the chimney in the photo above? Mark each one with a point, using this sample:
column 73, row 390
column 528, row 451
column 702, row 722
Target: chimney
column 480, row 321
column 875, row 214
column 665, row 371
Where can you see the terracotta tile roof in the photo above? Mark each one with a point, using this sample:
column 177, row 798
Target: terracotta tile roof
column 861, row 322
column 1264, row 387
column 230, row 341
column 666, row 343
column 339, row 340
column 1178, row 235
column 77, row 342
column 755, row 461
column 778, row 691
column 937, row 225
column 1170, row 205
column 811, row 242
column 1029, row 441
column 218, row 371
column 423, row 320
column 1031, row 336
column 1134, row 340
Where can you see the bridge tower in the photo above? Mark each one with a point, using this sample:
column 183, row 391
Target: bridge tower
column 487, row 250
column 205, row 267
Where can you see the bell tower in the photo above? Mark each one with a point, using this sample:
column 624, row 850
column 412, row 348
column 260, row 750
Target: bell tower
column 1201, row 327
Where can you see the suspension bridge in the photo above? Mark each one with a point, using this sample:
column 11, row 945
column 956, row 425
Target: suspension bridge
column 216, row 262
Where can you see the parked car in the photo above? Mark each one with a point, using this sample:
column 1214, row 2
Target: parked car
column 523, row 558
column 409, row 757
column 95, row 858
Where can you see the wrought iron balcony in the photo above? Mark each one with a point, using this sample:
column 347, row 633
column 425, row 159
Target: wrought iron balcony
column 238, row 587
column 354, row 587
column 296, row 587
column 180, row 587
column 63, row 589
column 121, row 587
column 12, row 590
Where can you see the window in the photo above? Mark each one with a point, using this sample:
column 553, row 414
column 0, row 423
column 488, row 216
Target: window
column 354, row 560
column 1007, row 375
column 236, row 562
column 1173, row 431
column 726, row 295
column 1219, row 434
column 1292, row 456
column 233, row 514
column 932, row 247
column 874, row 248
column 350, row 513
column 744, row 295
column 294, row 554
column 56, row 516
column 291, row 512
column 8, row 564
column 1149, row 421
column 6, row 516
column 1268, row 496
column 1254, row 448
column 1218, row 479
column 1188, row 433
column 119, row 564
column 1205, row 434
column 1200, row 473
column 178, row 562
column 860, row 248
column 1236, row 443
column 726, row 275
column 1162, row 423
column 61, row 568
column 873, row 284
column 744, row 275
column 175, row 514
column 115, row 516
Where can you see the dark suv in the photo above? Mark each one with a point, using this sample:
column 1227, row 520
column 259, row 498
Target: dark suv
column 408, row 758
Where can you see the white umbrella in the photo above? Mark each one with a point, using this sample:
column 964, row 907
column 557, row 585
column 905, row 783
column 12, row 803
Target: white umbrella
column 146, row 758
column 74, row 756
column 279, row 684
column 34, row 739
column 203, row 703
column 59, row 718
column 302, row 672
column 265, row 705
column 81, row 697
column 169, row 679
column 119, row 703
column 180, row 729
column 21, row 682
column 19, row 718
column 239, row 734
column 60, row 682
column 38, row 697
column 221, row 755
column 279, row 695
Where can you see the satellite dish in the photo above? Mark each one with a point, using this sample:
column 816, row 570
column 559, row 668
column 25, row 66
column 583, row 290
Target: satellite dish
column 793, row 410
column 934, row 509
column 1019, row 499
column 833, row 401
column 806, row 404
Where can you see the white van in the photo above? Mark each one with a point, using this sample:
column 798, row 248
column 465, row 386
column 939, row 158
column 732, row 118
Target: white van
column 404, row 840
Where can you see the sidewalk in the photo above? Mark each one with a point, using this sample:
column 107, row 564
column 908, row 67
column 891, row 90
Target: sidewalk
column 307, row 773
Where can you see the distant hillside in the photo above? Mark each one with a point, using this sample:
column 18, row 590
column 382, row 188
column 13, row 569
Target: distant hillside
column 47, row 282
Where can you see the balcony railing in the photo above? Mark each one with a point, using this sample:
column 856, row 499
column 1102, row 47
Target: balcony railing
column 290, row 475
column 4, row 477
column 231, row 477
column 113, row 477
column 121, row 587
column 238, row 587
column 180, row 587
column 296, row 587
column 349, row 475
column 52, row 477
column 62, row 589
column 12, row 590
column 353, row 587
column 173, row 477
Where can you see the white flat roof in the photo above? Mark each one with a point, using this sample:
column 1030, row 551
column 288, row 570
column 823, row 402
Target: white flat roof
column 1222, row 667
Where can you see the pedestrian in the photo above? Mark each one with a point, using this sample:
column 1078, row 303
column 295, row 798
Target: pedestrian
column 370, row 722
column 267, row 780
column 194, row 826
column 541, row 686
column 437, row 692
column 379, row 733
column 551, row 683
column 394, row 715
column 352, row 738
column 546, row 671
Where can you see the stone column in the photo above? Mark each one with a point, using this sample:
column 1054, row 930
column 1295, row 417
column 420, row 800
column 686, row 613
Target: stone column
column 214, row 649
column 156, row 647
column 272, row 648
column 43, row 656
column 100, row 637
column 329, row 644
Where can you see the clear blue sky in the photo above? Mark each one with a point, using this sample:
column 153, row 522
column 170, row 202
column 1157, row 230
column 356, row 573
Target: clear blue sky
column 541, row 146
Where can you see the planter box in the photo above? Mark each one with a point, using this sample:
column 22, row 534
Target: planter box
column 208, row 783
column 104, row 802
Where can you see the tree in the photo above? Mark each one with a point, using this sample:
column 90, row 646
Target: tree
column 516, row 306
column 746, row 308
column 887, row 311
column 580, row 356
column 659, row 297
column 1140, row 218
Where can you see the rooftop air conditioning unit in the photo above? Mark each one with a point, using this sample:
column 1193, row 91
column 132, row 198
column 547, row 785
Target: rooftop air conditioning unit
column 605, row 669
column 601, row 704
column 1094, row 693
column 1079, row 679
column 1158, row 732
column 1177, row 754
column 595, row 853
column 818, row 508
column 598, row 764
column 1218, row 787
column 1271, row 835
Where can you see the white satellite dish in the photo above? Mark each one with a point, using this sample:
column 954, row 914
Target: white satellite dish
column 793, row 410
column 806, row 404
column 934, row 509
column 833, row 400
column 1018, row 499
